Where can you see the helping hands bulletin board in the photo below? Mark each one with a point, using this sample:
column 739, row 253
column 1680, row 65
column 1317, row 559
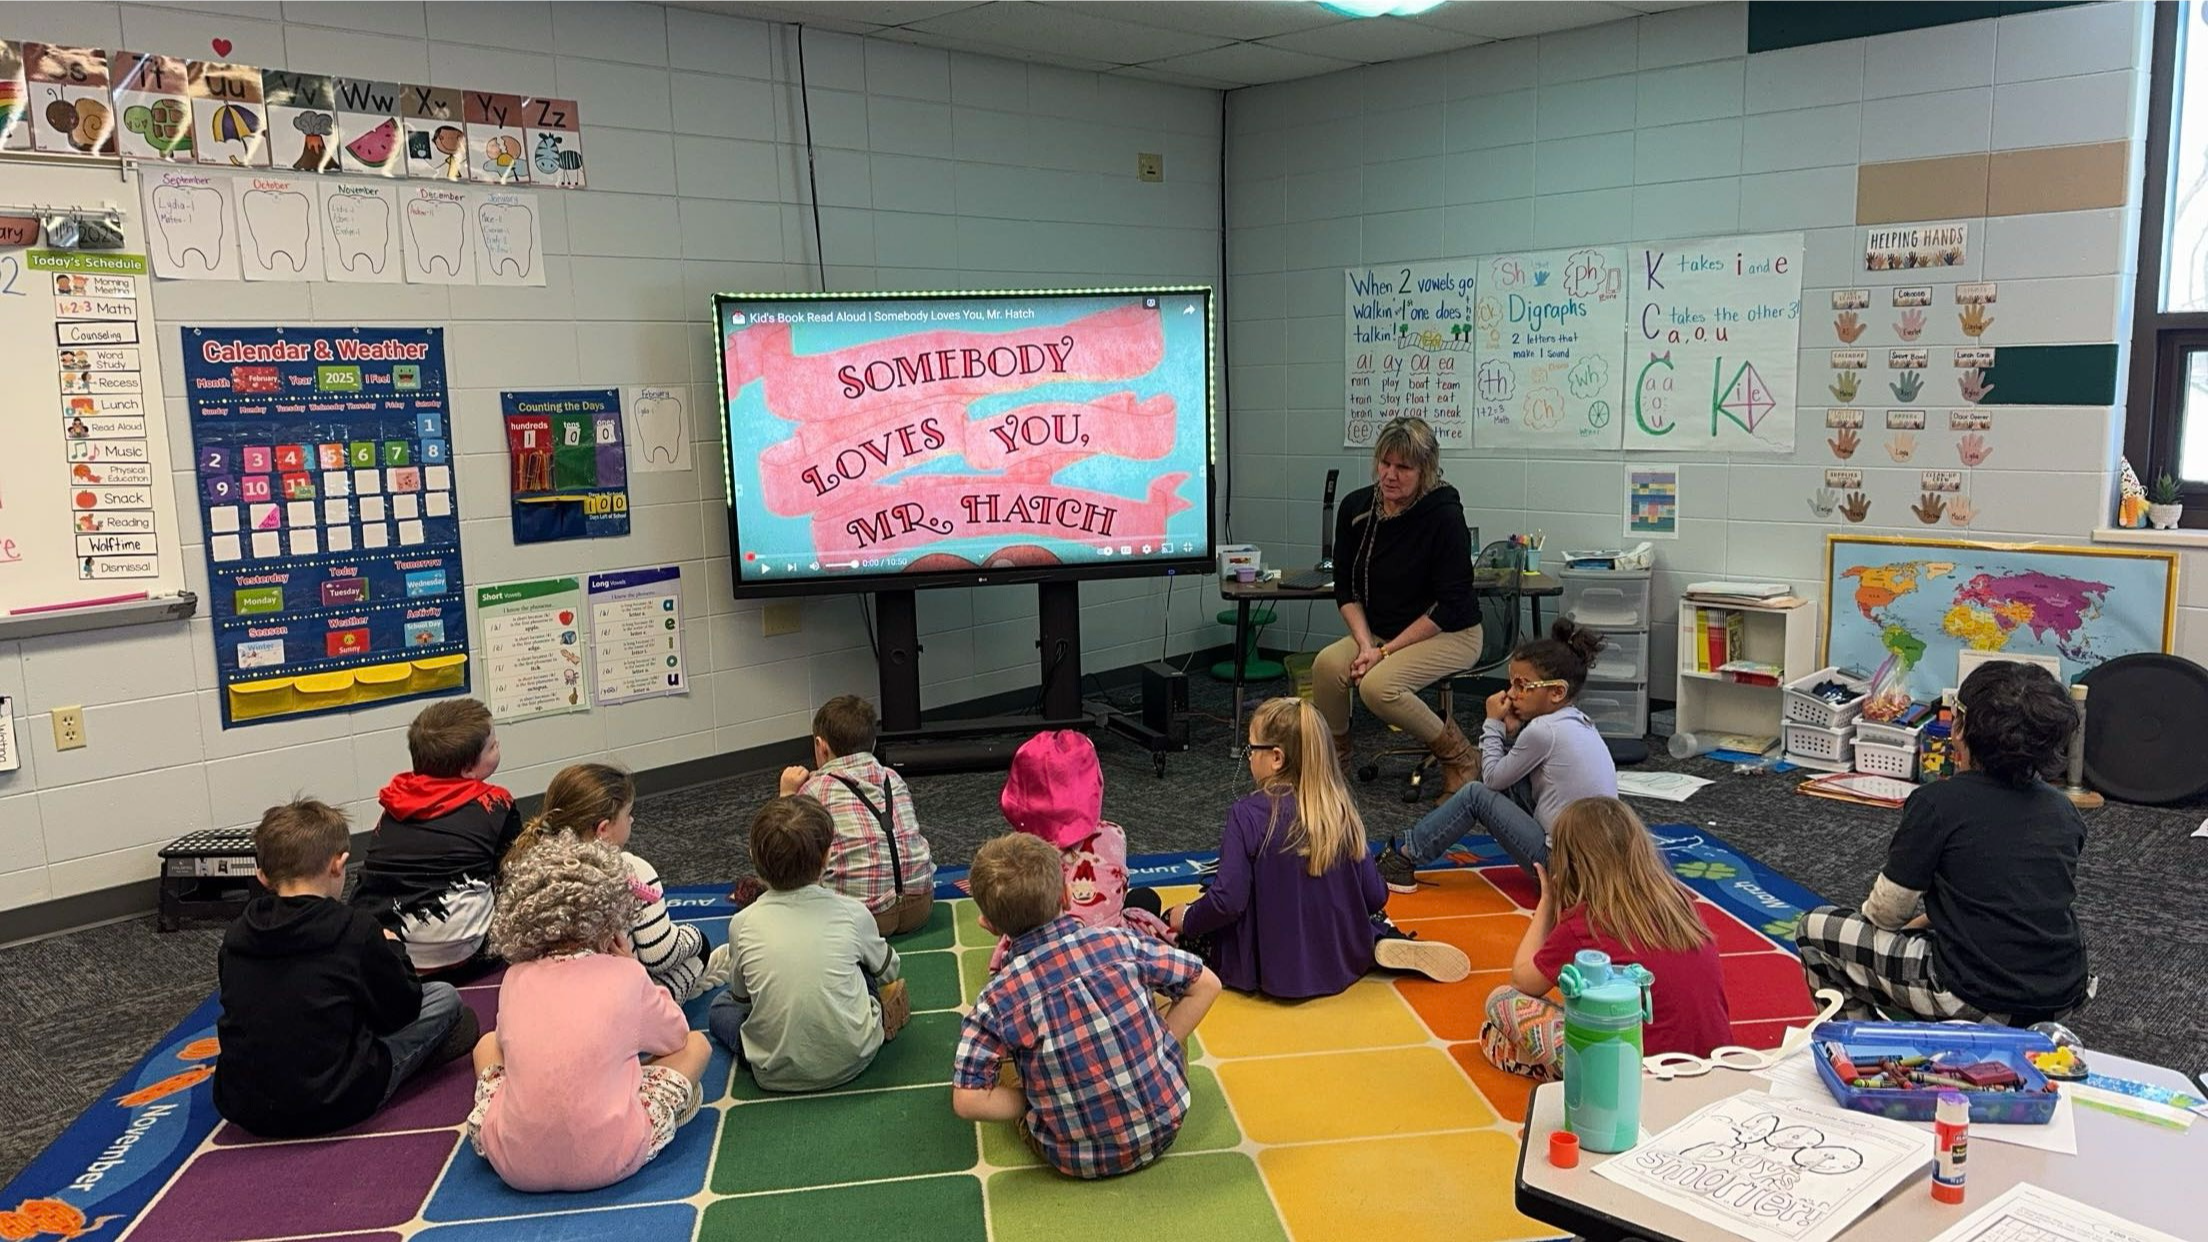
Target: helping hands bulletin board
column 324, row 467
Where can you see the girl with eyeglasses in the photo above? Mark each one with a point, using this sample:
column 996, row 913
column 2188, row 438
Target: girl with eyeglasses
column 1538, row 754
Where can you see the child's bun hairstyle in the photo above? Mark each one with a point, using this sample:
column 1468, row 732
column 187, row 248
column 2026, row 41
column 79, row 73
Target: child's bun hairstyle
column 2017, row 721
column 1567, row 653
column 562, row 896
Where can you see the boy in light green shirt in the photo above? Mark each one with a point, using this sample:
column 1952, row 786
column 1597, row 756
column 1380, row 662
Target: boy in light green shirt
column 815, row 990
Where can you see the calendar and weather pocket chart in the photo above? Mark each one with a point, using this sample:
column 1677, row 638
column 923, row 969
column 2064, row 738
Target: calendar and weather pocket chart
column 570, row 476
column 323, row 461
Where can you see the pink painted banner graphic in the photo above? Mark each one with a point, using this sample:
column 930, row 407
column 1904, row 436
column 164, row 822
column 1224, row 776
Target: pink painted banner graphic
column 879, row 520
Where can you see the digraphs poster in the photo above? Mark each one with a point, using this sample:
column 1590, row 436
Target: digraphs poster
column 324, row 468
column 636, row 633
column 1548, row 329
column 533, row 650
column 1409, row 348
column 1711, row 338
column 570, row 472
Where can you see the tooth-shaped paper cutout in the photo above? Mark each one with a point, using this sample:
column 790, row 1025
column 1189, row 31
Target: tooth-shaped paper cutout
column 659, row 429
column 360, row 235
column 437, row 240
column 188, row 215
column 277, row 222
column 503, row 225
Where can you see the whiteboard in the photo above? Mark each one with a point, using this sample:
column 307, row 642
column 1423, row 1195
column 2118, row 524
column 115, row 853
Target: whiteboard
column 87, row 510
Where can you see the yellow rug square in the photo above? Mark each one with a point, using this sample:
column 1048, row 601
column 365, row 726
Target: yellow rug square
column 1370, row 1014
column 1294, row 1100
column 1455, row 1186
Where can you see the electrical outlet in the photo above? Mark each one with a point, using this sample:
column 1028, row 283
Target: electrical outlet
column 1149, row 166
column 783, row 617
column 68, row 728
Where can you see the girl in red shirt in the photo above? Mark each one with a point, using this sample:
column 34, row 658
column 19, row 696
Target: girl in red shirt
column 1606, row 888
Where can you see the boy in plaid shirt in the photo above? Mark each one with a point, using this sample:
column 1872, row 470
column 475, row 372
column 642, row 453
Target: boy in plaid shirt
column 1102, row 1075
column 879, row 856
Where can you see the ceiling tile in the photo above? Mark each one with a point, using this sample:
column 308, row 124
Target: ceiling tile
column 844, row 13
column 1251, row 63
column 1229, row 19
column 1052, row 28
column 1512, row 19
column 1375, row 39
column 813, row 16
column 1148, row 74
column 928, row 38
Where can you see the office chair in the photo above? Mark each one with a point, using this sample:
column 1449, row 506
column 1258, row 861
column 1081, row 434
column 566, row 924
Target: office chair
column 1499, row 633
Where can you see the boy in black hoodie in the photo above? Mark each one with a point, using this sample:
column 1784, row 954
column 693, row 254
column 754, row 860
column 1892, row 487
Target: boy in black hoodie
column 322, row 1018
column 434, row 858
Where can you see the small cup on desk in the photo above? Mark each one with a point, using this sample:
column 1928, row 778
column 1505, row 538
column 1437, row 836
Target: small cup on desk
column 1245, row 573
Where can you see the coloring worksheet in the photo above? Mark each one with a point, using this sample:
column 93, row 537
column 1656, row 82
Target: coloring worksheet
column 2028, row 1214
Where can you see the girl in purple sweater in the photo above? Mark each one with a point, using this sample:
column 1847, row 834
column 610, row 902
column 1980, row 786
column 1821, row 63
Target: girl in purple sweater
column 1296, row 909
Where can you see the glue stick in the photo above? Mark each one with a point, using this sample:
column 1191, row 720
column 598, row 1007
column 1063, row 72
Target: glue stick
column 1950, row 1146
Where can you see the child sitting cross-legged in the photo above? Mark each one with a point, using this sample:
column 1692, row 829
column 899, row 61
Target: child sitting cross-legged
column 1606, row 888
column 1055, row 791
column 322, row 1018
column 879, row 856
column 1102, row 1077
column 562, row 1101
column 815, row 989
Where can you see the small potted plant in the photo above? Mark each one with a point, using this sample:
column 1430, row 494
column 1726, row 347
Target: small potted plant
column 2164, row 506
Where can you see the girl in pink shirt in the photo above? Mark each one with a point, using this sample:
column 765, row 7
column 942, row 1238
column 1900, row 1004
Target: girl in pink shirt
column 562, row 1102
column 1055, row 791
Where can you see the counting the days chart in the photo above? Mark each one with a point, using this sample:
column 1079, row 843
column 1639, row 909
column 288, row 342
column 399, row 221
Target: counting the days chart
column 324, row 468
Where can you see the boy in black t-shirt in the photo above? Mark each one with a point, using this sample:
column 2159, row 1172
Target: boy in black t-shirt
column 1992, row 856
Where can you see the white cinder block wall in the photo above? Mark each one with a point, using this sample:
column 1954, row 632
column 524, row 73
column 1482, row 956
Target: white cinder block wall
column 1663, row 127
column 935, row 170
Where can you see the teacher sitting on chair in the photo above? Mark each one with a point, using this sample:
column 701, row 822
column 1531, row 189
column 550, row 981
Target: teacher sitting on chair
column 1403, row 580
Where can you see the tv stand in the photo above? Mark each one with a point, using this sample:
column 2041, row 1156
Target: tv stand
column 978, row 744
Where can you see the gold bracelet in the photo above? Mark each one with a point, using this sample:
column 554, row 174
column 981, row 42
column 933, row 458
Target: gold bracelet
column 1383, row 651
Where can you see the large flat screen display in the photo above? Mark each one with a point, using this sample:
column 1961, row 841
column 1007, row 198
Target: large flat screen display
column 882, row 441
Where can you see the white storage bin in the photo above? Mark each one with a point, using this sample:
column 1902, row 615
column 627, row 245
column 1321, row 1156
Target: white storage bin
column 1869, row 731
column 1815, row 746
column 1624, row 658
column 1606, row 599
column 1617, row 711
column 1886, row 759
column 1808, row 709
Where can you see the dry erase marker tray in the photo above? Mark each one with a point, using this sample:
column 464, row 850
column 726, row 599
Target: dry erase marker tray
column 1898, row 1070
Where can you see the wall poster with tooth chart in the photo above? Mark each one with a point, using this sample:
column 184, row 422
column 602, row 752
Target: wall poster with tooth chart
column 323, row 461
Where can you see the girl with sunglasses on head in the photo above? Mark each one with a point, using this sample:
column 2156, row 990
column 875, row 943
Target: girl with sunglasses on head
column 1538, row 754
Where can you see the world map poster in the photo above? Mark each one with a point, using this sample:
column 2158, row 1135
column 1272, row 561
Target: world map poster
column 1926, row 601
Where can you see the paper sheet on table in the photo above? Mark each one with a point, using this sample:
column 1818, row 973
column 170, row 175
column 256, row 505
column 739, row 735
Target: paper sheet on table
column 1670, row 787
column 2028, row 1212
column 1764, row 1167
column 1796, row 1079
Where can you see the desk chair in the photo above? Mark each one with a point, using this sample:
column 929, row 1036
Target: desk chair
column 1499, row 632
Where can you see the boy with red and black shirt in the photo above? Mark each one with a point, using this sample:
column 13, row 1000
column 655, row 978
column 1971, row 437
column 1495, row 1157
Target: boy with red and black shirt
column 432, row 864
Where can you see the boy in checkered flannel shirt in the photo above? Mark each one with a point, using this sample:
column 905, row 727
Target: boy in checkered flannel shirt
column 879, row 856
column 1102, row 1074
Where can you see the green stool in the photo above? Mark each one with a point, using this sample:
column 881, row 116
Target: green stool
column 1255, row 668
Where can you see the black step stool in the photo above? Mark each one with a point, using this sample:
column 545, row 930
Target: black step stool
column 206, row 875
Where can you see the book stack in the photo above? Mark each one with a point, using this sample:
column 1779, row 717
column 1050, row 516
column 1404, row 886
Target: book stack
column 1718, row 639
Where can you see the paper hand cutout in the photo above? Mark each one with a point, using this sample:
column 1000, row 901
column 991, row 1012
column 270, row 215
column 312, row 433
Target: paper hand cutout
column 1844, row 386
column 1975, row 320
column 1843, row 445
column 1928, row 508
column 1973, row 386
column 1960, row 511
column 1901, row 446
column 1911, row 326
column 1908, row 386
column 1823, row 503
column 1857, row 509
column 1847, row 326
column 1973, row 449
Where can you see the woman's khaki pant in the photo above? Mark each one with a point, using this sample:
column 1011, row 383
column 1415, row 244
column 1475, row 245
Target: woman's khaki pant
column 1391, row 687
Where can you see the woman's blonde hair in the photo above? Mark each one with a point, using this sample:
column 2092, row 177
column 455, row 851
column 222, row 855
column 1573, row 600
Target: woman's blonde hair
column 580, row 798
column 1413, row 443
column 562, row 896
column 1327, row 830
column 1601, row 858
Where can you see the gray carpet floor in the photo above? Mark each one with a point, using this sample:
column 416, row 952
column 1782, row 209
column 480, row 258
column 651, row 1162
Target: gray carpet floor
column 86, row 1004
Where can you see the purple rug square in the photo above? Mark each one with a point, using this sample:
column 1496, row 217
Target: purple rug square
column 282, row 1191
column 438, row 1097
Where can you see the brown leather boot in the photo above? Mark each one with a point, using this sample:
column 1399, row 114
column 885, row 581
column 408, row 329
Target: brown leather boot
column 1345, row 752
column 1460, row 760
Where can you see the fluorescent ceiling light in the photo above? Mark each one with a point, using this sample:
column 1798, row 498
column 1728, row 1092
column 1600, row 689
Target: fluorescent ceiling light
column 1380, row 8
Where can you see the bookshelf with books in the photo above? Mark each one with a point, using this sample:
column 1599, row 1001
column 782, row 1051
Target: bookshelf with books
column 1735, row 658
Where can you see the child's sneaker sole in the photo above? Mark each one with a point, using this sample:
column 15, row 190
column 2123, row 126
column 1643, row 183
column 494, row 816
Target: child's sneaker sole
column 1436, row 960
column 896, row 1008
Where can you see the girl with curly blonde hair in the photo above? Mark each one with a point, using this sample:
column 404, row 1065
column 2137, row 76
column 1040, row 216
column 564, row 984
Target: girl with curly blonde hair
column 562, row 1102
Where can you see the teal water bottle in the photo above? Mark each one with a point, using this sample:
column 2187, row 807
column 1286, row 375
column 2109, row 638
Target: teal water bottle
column 1604, row 1007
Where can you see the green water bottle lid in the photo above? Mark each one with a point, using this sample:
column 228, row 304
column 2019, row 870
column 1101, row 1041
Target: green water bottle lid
column 1593, row 987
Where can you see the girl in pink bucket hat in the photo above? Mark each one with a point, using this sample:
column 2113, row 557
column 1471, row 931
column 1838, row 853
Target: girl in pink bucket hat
column 1055, row 791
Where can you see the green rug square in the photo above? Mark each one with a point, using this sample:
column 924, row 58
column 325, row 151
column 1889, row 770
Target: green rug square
column 813, row 1141
column 933, row 935
column 947, row 1207
column 1209, row 1126
column 921, row 1053
column 970, row 934
column 931, row 980
column 973, row 972
column 1213, row 1195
